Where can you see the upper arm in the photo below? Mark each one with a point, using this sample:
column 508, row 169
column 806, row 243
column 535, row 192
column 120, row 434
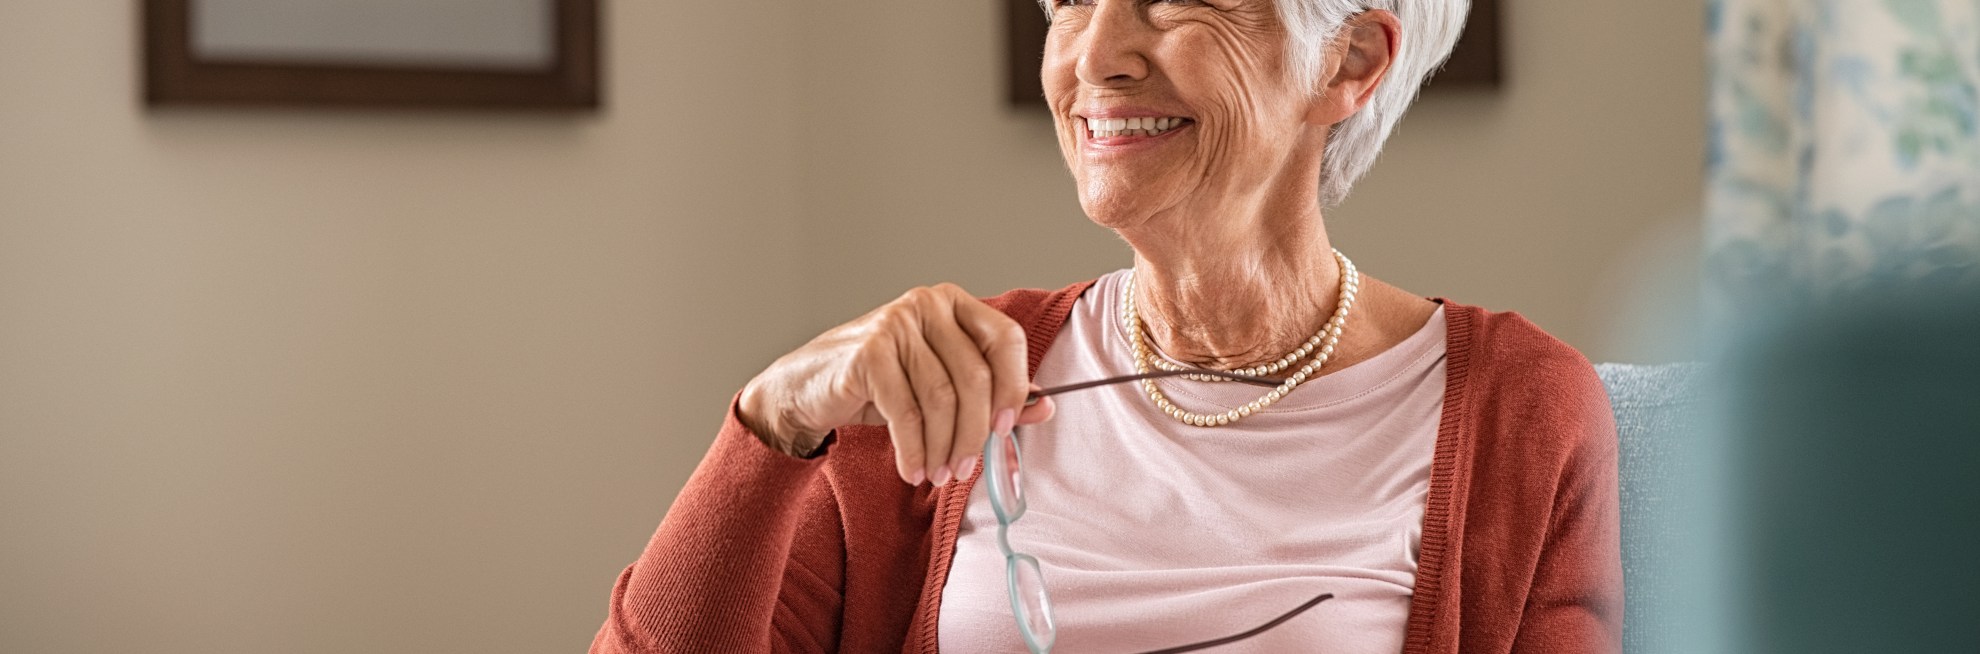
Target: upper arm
column 1575, row 602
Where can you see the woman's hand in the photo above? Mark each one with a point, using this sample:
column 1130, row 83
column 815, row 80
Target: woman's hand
column 938, row 367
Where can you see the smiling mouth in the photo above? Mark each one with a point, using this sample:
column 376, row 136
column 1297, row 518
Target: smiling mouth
column 1101, row 128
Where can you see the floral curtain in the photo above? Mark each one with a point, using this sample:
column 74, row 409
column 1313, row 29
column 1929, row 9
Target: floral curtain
column 1844, row 150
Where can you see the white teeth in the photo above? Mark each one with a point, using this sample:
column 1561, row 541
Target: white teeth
column 1139, row 126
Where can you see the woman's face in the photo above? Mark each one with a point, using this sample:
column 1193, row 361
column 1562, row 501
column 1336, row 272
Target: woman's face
column 1161, row 103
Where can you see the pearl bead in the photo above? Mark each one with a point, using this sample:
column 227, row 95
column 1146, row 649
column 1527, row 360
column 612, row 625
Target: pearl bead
column 1329, row 335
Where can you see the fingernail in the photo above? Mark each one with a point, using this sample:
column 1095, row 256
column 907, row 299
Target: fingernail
column 1006, row 419
column 915, row 478
column 968, row 465
column 942, row 476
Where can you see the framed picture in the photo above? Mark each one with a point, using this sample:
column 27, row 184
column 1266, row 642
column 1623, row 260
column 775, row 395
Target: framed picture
column 1475, row 62
column 382, row 53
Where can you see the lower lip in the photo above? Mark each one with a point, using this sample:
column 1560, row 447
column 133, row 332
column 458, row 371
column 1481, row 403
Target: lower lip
column 1121, row 143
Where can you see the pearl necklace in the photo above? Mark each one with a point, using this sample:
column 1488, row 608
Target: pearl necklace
column 1325, row 340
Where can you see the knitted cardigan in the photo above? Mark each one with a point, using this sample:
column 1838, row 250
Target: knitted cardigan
column 1520, row 547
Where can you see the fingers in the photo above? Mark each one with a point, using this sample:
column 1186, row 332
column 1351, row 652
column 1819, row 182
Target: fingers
column 955, row 370
column 894, row 398
column 936, row 395
column 972, row 380
column 1002, row 344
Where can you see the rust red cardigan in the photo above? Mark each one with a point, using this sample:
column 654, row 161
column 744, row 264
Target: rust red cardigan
column 1520, row 553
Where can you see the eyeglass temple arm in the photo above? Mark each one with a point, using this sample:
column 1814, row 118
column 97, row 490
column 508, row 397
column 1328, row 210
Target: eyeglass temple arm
column 1039, row 394
column 1237, row 637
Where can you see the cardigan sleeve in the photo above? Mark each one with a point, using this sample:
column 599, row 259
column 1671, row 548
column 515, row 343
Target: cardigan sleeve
column 1575, row 603
column 751, row 557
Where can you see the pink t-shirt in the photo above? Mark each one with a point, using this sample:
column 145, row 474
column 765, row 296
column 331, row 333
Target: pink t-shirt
column 1154, row 534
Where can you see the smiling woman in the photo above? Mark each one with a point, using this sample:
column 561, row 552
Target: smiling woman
column 1443, row 476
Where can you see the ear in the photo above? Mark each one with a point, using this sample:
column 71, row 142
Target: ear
column 1357, row 60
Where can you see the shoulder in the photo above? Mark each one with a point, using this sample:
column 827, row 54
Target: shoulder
column 1041, row 313
column 1523, row 385
column 1509, row 353
column 1031, row 305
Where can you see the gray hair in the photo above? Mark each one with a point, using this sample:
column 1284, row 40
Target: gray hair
column 1430, row 29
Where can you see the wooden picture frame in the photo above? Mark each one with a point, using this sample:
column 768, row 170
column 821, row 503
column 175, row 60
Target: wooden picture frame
column 176, row 74
column 1476, row 62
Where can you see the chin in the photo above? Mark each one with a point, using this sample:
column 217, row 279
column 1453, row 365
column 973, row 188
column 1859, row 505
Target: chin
column 1117, row 203
column 1115, row 213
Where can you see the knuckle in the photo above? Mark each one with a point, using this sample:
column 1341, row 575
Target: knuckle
column 896, row 314
column 977, row 377
column 1004, row 341
column 872, row 353
column 941, row 396
column 910, row 416
column 1009, row 330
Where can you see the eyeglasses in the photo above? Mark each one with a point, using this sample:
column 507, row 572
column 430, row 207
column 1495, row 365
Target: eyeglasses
column 1030, row 604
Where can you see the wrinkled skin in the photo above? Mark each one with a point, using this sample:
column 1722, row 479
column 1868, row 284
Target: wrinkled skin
column 1232, row 262
column 1221, row 65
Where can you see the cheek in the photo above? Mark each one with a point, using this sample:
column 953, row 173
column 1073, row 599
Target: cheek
column 1058, row 71
column 1234, row 81
column 1058, row 78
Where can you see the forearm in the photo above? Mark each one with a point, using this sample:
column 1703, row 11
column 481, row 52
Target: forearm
column 709, row 579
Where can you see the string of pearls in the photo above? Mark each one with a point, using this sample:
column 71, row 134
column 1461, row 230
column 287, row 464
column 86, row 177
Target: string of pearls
column 1325, row 340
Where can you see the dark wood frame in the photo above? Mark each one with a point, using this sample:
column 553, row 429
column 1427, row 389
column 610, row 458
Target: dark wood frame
column 1475, row 62
column 175, row 76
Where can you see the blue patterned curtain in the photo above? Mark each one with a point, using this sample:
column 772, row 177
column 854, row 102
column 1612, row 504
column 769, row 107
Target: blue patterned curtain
column 1844, row 150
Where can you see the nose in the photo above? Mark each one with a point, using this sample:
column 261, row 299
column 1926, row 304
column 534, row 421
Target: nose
column 1114, row 45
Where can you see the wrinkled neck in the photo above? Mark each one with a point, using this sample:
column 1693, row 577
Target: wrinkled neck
column 1239, row 297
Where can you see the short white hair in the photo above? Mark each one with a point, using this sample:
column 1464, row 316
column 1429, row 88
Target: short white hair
column 1430, row 29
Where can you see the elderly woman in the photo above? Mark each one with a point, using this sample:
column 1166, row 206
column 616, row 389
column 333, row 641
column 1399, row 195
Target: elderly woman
column 1401, row 474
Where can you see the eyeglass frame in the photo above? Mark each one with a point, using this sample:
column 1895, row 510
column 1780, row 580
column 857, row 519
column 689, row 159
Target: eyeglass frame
column 994, row 461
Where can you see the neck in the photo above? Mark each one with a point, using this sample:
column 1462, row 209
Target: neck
column 1235, row 289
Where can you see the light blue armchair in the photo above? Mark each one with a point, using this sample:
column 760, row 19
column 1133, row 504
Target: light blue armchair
column 1656, row 409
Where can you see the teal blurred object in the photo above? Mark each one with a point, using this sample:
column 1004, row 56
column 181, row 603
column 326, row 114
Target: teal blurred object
column 1854, row 493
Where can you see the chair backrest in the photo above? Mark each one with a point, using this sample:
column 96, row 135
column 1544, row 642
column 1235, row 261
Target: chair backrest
column 1657, row 423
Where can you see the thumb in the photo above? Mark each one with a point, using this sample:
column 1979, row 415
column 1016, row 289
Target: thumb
column 1037, row 412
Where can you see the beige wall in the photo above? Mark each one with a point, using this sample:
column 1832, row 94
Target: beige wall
column 397, row 382
column 283, row 381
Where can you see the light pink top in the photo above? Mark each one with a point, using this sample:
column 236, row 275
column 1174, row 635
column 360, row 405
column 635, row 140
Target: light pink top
column 1227, row 527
